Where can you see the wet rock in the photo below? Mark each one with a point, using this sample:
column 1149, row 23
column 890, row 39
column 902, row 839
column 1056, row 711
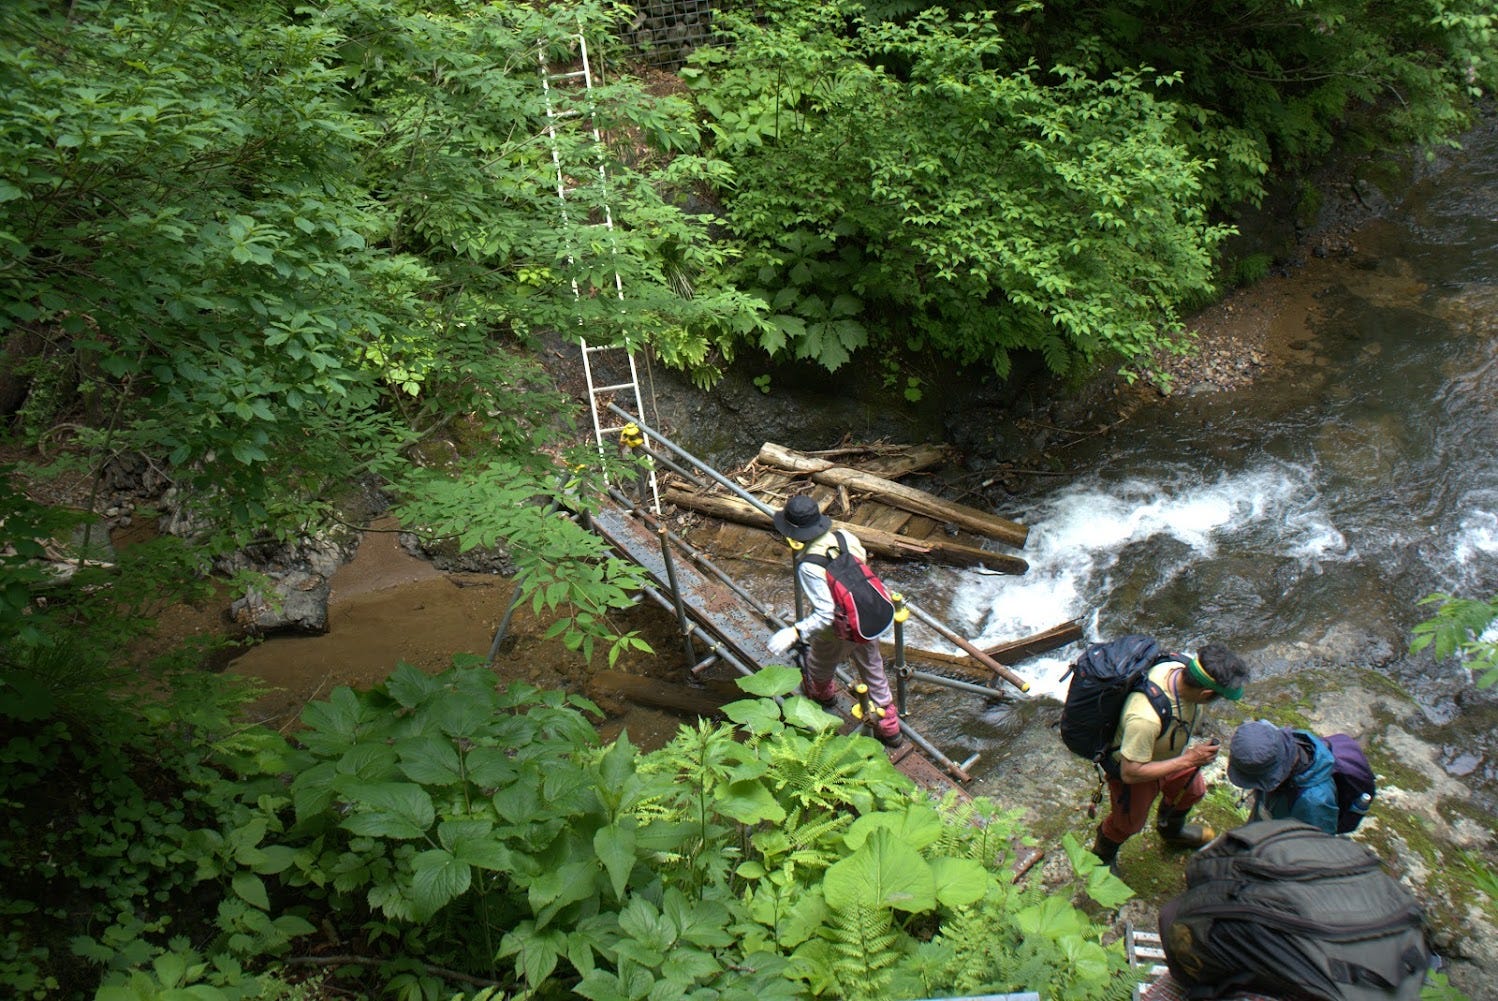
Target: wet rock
column 445, row 556
column 296, row 601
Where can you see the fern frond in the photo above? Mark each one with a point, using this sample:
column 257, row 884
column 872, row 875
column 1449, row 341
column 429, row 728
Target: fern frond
column 865, row 949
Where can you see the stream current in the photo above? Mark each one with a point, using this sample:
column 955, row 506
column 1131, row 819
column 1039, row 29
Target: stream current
column 1300, row 520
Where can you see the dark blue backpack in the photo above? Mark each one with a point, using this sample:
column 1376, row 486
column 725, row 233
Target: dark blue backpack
column 1101, row 679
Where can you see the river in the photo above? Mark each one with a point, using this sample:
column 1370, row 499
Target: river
column 1299, row 520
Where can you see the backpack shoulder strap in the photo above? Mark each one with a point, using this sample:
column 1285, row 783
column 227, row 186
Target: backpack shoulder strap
column 842, row 544
column 1158, row 700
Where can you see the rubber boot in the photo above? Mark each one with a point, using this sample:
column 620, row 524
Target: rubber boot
column 1106, row 849
column 1175, row 832
column 887, row 727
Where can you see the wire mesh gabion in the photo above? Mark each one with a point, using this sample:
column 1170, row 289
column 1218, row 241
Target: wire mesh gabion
column 665, row 32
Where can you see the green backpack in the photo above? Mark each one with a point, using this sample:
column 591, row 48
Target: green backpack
column 1284, row 908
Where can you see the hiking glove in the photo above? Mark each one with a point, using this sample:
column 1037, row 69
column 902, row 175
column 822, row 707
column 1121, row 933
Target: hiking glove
column 783, row 640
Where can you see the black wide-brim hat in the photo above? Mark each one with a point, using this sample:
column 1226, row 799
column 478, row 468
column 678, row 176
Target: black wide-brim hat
column 801, row 519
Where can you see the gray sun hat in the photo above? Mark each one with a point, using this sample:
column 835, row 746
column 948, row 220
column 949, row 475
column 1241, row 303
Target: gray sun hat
column 1261, row 756
column 801, row 519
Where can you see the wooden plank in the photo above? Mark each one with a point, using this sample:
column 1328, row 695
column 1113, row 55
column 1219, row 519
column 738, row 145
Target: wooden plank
column 1046, row 640
column 1010, row 652
column 916, row 501
column 878, row 543
column 884, row 518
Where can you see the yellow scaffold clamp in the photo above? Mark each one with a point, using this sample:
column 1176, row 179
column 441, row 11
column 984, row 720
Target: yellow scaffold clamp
column 631, row 435
column 901, row 612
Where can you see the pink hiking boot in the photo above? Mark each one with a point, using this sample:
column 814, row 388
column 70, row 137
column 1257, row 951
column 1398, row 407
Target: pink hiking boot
column 887, row 728
column 824, row 695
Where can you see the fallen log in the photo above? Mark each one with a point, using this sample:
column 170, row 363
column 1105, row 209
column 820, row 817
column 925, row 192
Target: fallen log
column 898, row 494
column 1007, row 653
column 891, row 463
column 877, row 543
column 1015, row 651
column 658, row 694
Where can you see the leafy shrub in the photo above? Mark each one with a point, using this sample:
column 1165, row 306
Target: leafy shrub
column 1462, row 627
column 897, row 189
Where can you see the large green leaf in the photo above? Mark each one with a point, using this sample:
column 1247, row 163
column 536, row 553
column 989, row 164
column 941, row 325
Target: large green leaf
column 756, row 715
column 703, row 921
column 768, row 682
column 804, row 713
column 430, row 759
column 489, row 767
column 959, row 881
column 885, row 872
column 251, row 889
column 918, row 825
column 1101, row 884
column 409, row 685
column 748, row 802
column 1053, row 918
column 437, row 878
column 333, row 723
column 388, row 809
column 615, row 845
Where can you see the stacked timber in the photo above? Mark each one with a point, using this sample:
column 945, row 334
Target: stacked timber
column 893, row 520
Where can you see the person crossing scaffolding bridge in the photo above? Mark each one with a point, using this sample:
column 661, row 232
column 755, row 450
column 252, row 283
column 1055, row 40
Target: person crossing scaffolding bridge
column 1155, row 755
column 809, row 534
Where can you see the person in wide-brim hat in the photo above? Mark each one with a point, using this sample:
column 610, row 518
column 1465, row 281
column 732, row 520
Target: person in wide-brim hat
column 1262, row 756
column 801, row 519
column 815, row 635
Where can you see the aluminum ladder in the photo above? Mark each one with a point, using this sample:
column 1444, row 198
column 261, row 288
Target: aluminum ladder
column 1146, row 955
column 609, row 369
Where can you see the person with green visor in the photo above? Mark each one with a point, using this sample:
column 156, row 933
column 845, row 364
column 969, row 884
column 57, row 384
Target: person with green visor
column 1156, row 757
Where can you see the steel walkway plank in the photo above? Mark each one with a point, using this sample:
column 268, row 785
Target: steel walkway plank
column 708, row 602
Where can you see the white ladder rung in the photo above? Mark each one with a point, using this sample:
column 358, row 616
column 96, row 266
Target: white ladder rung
column 596, row 394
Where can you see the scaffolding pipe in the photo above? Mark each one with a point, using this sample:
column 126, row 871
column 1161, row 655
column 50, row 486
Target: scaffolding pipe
column 961, row 686
column 728, row 582
column 717, row 649
column 976, row 653
column 713, row 474
column 681, row 611
column 902, row 670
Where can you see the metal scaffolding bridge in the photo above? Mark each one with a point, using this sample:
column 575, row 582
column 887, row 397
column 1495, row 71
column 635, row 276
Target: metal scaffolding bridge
column 722, row 623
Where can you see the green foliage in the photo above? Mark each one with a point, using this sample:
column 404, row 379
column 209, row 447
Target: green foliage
column 562, row 567
column 1437, row 988
column 1279, row 82
column 1252, row 269
column 1462, row 627
column 278, row 253
column 444, row 823
column 906, row 185
column 104, row 800
column 184, row 973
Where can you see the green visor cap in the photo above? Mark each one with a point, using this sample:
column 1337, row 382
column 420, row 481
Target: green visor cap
column 1199, row 677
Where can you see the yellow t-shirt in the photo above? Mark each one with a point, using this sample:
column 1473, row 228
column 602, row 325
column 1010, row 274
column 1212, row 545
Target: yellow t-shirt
column 1140, row 737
